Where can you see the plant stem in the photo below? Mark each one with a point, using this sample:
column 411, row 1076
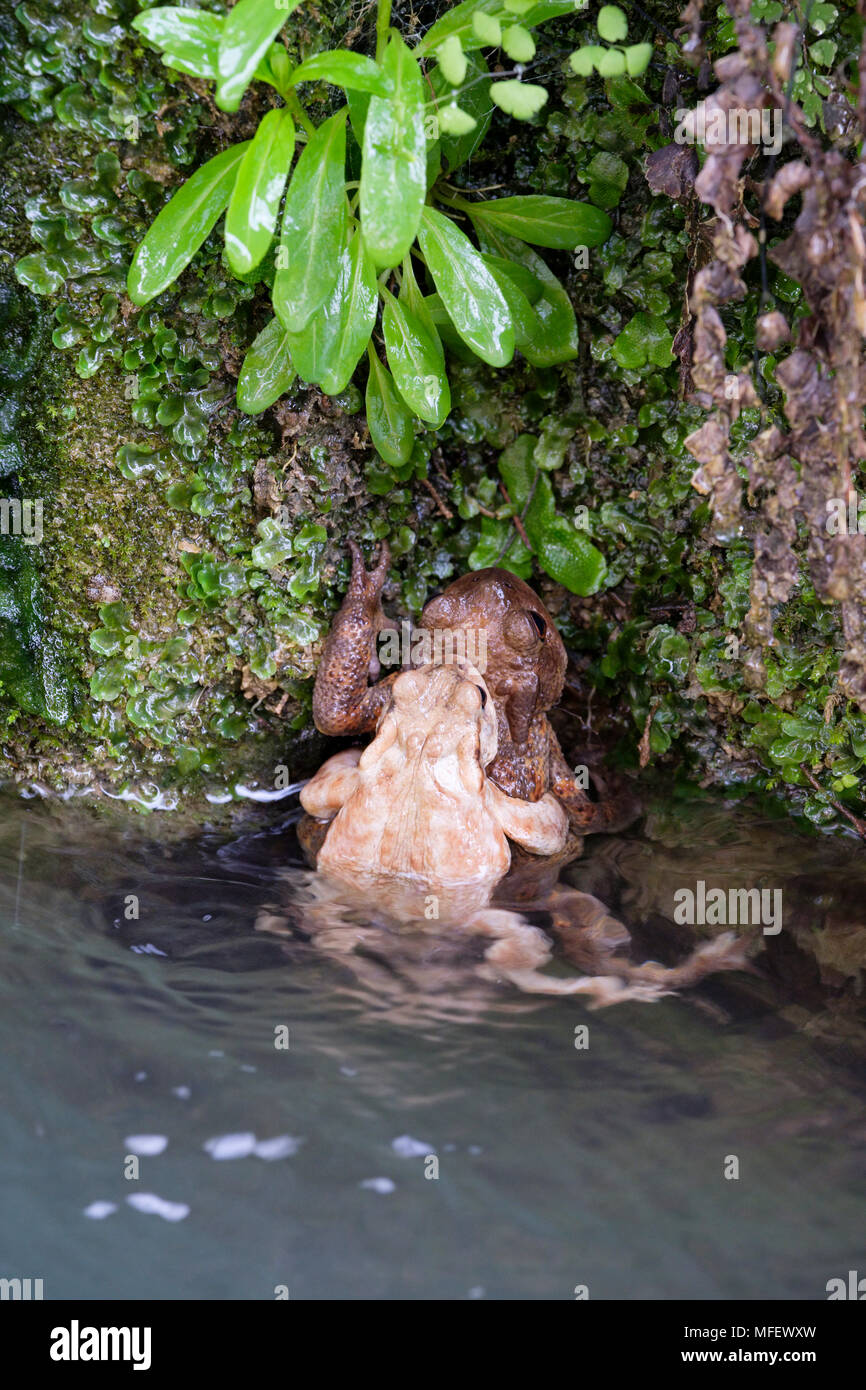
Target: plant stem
column 383, row 24
column 297, row 110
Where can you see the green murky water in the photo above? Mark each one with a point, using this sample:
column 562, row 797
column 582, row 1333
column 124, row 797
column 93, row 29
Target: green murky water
column 557, row 1166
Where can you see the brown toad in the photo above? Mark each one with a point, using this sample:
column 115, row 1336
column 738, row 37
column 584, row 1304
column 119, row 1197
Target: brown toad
column 524, row 671
column 418, row 834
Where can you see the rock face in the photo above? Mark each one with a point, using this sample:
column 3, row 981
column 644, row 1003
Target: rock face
column 165, row 626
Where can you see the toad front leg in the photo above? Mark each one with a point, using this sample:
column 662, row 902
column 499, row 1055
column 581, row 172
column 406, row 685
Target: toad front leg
column 343, row 701
column 332, row 785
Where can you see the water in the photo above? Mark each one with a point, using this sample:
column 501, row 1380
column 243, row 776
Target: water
column 557, row 1167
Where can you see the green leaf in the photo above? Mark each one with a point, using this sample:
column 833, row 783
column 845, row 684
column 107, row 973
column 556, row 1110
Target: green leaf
column 557, row 339
column 471, row 296
column 394, row 168
column 457, row 147
column 584, row 59
column 313, row 231
column 460, row 20
column 608, row 176
column 452, row 60
column 255, row 202
column 275, row 68
column 541, row 12
column 417, row 362
column 487, row 28
column 389, row 420
column 645, row 339
column 519, row 474
column 446, row 330
column 518, row 43
column 249, row 29
column 637, row 58
column 350, row 70
column 413, row 299
column 560, row 223
column 358, row 104
column 529, row 285
column 522, row 100
column 180, row 228
column 499, row 544
column 453, row 121
column 569, row 556
column 824, row 51
column 611, row 63
column 821, row 16
column 189, row 39
column 267, row 371
column 612, row 24
column 524, row 320
column 328, row 349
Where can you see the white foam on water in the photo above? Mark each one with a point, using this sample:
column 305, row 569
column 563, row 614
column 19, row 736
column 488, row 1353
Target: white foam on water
column 224, row 1146
column 383, row 1186
column 97, row 1211
column 151, row 1205
column 146, row 1144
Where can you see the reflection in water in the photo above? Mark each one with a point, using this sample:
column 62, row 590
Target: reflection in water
column 559, row 1164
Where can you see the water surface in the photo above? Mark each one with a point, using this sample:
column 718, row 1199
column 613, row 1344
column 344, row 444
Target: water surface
column 557, row 1166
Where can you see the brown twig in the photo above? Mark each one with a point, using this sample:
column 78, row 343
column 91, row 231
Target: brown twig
column 518, row 520
column 448, row 515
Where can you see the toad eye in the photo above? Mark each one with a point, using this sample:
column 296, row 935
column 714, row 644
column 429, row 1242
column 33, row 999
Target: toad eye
column 483, row 693
column 522, row 630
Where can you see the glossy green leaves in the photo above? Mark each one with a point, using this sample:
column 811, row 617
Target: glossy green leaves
column 352, row 71
column 458, row 139
column 389, row 419
column 472, row 298
column 475, row 27
column 417, row 362
column 555, row 339
column 313, row 230
column 267, row 370
column 189, row 39
column 255, row 201
column 645, row 339
column 522, row 100
column 564, row 552
column 249, row 29
column 183, row 224
column 328, row 349
column 570, row 557
column 394, row 168
column 560, row 223
column 612, row 24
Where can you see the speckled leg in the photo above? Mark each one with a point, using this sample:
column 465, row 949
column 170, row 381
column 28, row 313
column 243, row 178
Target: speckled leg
column 343, row 701
column 611, row 812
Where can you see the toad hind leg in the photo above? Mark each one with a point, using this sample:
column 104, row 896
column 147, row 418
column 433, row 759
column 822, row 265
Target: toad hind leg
column 520, row 949
column 343, row 701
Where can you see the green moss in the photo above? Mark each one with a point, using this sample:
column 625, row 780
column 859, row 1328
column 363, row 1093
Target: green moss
column 169, row 626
